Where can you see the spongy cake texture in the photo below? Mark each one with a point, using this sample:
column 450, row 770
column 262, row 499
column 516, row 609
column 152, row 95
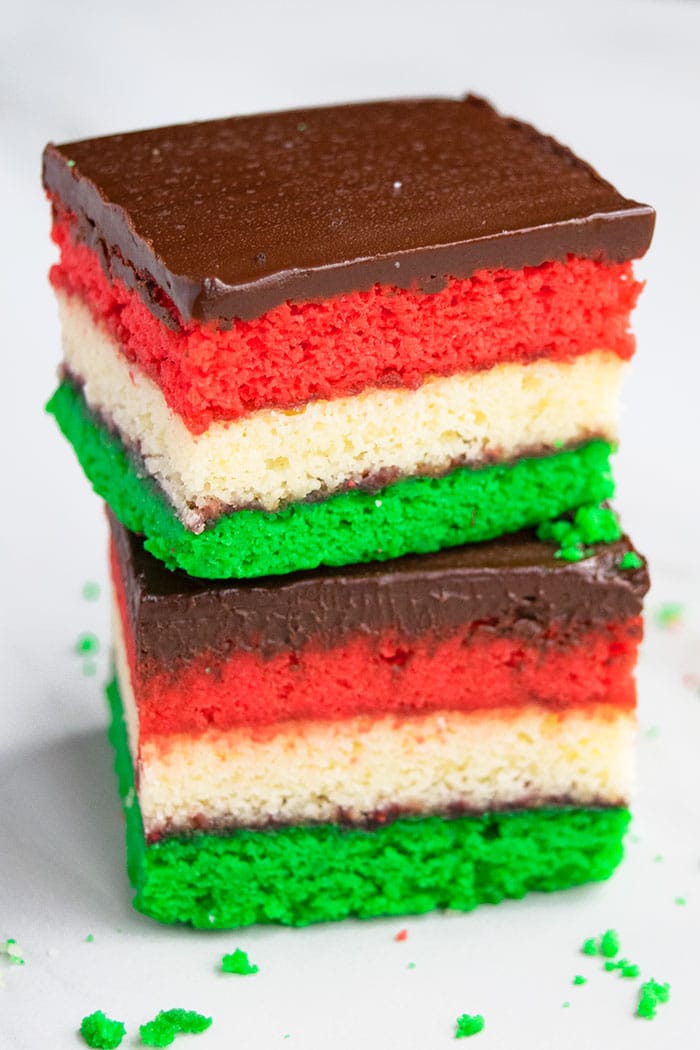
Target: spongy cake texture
column 415, row 515
column 272, row 457
column 300, row 875
column 382, row 337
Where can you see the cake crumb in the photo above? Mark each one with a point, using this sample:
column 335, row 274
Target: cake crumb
column 238, row 962
column 89, row 939
column 91, row 591
column 101, row 1032
column 161, row 1031
column 590, row 524
column 630, row 560
column 578, row 979
column 681, row 901
column 651, row 995
column 624, row 966
column 401, row 935
column 669, row 616
column 13, row 952
column 87, row 644
column 609, row 944
column 467, row 1025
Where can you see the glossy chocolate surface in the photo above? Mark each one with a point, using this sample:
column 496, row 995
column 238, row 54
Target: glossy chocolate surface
column 230, row 218
column 514, row 584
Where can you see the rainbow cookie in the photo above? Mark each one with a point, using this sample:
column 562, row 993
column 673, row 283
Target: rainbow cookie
column 339, row 335
column 381, row 739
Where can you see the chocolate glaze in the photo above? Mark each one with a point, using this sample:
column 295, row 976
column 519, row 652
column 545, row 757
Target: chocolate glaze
column 512, row 584
column 229, row 218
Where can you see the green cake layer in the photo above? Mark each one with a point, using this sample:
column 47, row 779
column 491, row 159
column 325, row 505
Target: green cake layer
column 415, row 515
column 298, row 875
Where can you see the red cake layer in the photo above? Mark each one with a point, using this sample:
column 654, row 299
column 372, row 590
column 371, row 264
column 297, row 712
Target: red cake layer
column 383, row 337
column 471, row 669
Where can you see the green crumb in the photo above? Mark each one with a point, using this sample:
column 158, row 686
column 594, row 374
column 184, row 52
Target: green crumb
column 651, row 995
column 680, row 901
column 578, row 979
column 89, row 668
column 13, row 952
column 101, row 1031
column 161, row 1031
column 411, row 966
column 90, row 938
column 625, row 967
column 558, row 443
column 87, row 644
column 669, row 615
column 570, row 554
column 187, row 1021
column 467, row 1025
column 609, row 944
column 630, row 560
column 658, row 859
column 566, row 1004
column 238, row 962
column 591, row 524
column 302, row 125
column 597, row 524
column 91, row 591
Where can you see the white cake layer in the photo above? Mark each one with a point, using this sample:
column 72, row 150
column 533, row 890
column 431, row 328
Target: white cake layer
column 273, row 457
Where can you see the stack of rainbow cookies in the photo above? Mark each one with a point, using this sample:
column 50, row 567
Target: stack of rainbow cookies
column 348, row 381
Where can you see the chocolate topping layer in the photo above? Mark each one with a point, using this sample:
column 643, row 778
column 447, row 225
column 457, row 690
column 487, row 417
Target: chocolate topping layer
column 513, row 583
column 229, row 218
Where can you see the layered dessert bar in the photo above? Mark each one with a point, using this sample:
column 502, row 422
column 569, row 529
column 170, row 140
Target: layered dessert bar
column 339, row 335
column 437, row 731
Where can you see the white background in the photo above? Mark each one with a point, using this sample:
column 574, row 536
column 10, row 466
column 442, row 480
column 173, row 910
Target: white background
column 618, row 82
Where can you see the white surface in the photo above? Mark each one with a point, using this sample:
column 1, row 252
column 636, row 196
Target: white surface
column 618, row 82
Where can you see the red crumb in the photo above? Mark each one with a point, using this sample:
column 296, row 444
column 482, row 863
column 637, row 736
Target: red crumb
column 384, row 337
column 401, row 935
